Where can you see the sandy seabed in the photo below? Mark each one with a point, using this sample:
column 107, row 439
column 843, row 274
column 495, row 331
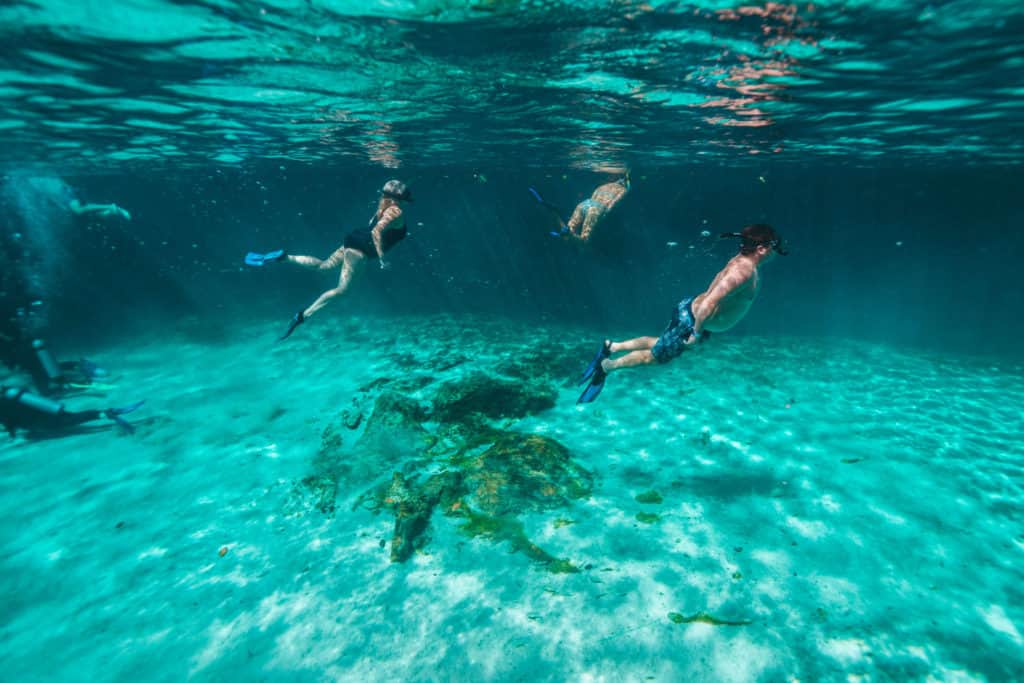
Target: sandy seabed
column 828, row 511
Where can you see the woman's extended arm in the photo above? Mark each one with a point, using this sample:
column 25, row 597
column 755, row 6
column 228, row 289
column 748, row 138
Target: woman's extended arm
column 79, row 208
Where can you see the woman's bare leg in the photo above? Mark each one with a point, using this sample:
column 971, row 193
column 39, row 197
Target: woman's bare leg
column 576, row 220
column 590, row 222
column 314, row 263
column 351, row 260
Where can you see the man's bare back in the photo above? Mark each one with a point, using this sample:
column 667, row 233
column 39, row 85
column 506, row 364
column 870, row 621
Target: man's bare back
column 724, row 304
column 729, row 297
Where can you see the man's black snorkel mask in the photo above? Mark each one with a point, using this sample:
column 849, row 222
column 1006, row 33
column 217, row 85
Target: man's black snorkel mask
column 776, row 244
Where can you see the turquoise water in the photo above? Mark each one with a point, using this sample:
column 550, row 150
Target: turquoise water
column 849, row 530
column 406, row 489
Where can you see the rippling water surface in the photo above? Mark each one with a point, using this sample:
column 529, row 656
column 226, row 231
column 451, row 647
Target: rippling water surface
column 592, row 84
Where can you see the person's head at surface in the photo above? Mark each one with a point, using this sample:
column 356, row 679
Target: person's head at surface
column 760, row 241
column 394, row 192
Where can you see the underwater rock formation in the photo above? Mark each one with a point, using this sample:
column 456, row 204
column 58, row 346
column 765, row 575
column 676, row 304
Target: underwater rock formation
column 523, row 473
column 413, row 507
column 493, row 397
column 466, row 467
column 514, row 473
column 392, row 434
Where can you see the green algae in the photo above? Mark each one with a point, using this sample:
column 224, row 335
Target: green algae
column 704, row 618
column 522, row 472
column 649, row 497
column 647, row 517
column 508, row 530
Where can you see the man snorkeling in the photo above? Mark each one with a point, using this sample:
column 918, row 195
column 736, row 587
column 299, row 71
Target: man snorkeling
column 385, row 229
column 718, row 309
column 590, row 212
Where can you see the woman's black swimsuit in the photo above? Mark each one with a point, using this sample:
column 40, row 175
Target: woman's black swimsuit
column 362, row 240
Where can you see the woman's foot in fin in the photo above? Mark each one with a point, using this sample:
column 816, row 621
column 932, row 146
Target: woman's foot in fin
column 297, row 320
column 255, row 259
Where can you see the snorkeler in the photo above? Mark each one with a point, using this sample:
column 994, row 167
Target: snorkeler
column 105, row 210
column 20, row 409
column 718, row 309
column 385, row 229
column 592, row 211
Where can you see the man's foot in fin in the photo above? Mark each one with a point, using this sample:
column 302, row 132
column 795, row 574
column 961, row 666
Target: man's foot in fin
column 116, row 413
column 595, row 386
column 604, row 352
column 297, row 320
column 255, row 259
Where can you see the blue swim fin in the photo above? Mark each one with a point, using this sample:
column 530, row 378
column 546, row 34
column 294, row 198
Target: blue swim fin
column 255, row 259
column 556, row 212
column 595, row 386
column 116, row 413
column 604, row 352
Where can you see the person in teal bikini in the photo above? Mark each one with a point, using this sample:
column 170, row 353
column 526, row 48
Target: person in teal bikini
column 588, row 213
column 592, row 211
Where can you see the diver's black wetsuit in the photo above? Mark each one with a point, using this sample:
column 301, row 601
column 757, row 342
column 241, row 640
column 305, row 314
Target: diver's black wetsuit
column 21, row 409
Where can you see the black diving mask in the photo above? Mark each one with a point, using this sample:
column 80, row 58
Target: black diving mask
column 776, row 245
column 405, row 196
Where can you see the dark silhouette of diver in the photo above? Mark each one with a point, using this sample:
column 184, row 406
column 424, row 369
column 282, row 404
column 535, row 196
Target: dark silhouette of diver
column 50, row 376
column 21, row 409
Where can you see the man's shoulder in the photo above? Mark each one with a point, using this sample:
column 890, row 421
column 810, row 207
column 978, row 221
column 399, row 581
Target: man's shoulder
column 740, row 265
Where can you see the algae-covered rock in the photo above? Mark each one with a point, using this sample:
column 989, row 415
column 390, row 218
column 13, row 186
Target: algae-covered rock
column 493, row 397
column 523, row 472
column 392, row 434
column 495, row 476
column 647, row 517
column 414, row 504
column 649, row 497
column 704, row 618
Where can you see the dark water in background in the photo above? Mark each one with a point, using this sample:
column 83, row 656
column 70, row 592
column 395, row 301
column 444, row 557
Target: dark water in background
column 910, row 256
column 884, row 140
